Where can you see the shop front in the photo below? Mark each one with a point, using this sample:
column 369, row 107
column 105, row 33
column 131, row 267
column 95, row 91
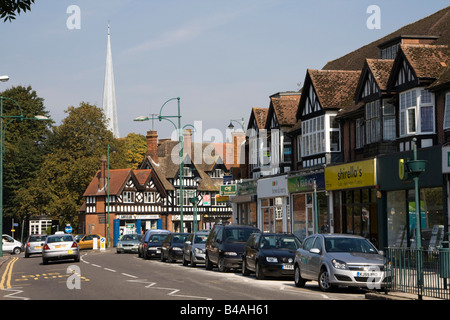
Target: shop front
column 244, row 203
column 307, row 192
column 273, row 205
column 135, row 223
column 352, row 188
column 398, row 200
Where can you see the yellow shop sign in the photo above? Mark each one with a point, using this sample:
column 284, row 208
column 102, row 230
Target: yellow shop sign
column 351, row 175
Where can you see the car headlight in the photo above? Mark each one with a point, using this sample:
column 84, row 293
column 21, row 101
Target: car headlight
column 231, row 253
column 338, row 264
column 198, row 250
column 176, row 249
column 271, row 259
column 119, row 245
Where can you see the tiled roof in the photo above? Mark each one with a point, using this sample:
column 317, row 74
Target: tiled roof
column 381, row 70
column 285, row 106
column 118, row 178
column 260, row 115
column 428, row 61
column 437, row 24
column 335, row 88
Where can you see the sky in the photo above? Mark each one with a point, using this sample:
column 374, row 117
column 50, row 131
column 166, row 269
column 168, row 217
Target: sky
column 222, row 58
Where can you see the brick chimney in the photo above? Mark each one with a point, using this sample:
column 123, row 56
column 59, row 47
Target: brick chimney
column 152, row 145
column 187, row 142
column 102, row 177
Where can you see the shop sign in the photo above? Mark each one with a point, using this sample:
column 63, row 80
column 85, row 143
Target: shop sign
column 351, row 175
column 273, row 187
column 228, row 190
column 246, row 188
column 207, row 200
column 306, row 183
column 222, row 199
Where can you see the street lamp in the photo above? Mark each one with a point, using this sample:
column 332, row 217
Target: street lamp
column 2, row 151
column 241, row 123
column 194, row 200
column 180, row 146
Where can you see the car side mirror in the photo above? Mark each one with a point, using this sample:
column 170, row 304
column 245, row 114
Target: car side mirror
column 381, row 252
column 315, row 250
column 188, row 242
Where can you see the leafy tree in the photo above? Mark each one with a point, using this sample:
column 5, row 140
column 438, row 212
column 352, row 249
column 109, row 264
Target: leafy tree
column 8, row 8
column 135, row 147
column 24, row 143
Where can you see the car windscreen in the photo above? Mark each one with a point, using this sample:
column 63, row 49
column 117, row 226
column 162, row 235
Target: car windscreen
column 280, row 242
column 180, row 238
column 130, row 237
column 37, row 238
column 237, row 235
column 200, row 238
column 157, row 237
column 337, row 244
column 59, row 239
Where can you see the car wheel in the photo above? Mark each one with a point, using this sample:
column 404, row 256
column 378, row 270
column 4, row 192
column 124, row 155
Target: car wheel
column 324, row 280
column 77, row 259
column 193, row 264
column 44, row 261
column 298, row 280
column 17, row 250
column 245, row 271
column 259, row 271
column 185, row 262
column 208, row 264
column 162, row 257
column 221, row 265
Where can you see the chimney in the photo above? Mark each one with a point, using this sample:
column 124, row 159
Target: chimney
column 187, row 143
column 102, row 177
column 152, row 145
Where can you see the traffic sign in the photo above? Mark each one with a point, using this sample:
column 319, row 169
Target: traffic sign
column 68, row 229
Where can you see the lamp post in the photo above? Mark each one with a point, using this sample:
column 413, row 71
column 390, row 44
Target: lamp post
column 194, row 200
column 180, row 150
column 240, row 121
column 3, row 127
column 415, row 168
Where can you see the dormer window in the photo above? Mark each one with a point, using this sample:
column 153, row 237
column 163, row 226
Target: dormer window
column 217, row 173
column 416, row 112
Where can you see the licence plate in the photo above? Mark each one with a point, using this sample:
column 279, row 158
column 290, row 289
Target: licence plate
column 158, row 251
column 70, row 252
column 367, row 274
column 287, row 267
column 36, row 248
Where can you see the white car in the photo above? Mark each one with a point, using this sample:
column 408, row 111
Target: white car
column 60, row 247
column 11, row 245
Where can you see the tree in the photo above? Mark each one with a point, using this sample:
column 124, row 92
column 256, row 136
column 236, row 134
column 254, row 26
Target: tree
column 75, row 148
column 135, row 147
column 24, row 143
column 8, row 8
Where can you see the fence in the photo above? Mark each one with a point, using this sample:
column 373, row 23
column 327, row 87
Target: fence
column 417, row 271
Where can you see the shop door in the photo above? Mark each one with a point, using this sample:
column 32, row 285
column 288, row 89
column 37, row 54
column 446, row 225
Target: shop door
column 309, row 214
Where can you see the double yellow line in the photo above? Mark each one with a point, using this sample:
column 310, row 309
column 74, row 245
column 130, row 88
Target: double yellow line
column 5, row 283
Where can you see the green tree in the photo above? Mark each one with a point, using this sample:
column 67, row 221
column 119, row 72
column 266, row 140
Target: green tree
column 24, row 143
column 9, row 8
column 135, row 147
column 75, row 148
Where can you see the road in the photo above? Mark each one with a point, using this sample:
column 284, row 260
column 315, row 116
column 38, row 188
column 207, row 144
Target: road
column 110, row 276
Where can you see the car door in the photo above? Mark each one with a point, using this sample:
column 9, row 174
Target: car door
column 252, row 251
column 188, row 246
column 315, row 260
column 86, row 242
column 8, row 243
column 305, row 258
column 215, row 246
column 165, row 246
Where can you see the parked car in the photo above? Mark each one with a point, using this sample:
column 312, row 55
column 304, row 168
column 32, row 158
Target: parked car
column 129, row 243
column 60, row 247
column 339, row 259
column 34, row 244
column 225, row 245
column 172, row 246
column 194, row 248
column 87, row 241
column 11, row 245
column 150, row 245
column 270, row 254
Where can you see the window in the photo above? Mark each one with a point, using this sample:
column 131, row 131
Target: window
column 188, row 172
column 313, row 134
column 373, row 122
column 388, row 120
column 416, row 112
column 217, row 173
column 149, row 197
column 360, row 133
column 128, row 196
column 447, row 112
column 187, row 194
column 335, row 135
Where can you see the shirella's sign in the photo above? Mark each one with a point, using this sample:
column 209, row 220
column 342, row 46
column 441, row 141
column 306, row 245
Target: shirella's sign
column 351, row 175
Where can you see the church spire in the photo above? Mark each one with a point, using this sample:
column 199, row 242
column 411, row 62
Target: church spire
column 109, row 92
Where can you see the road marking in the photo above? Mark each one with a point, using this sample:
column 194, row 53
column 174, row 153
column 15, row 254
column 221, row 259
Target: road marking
column 107, row 269
column 129, row 275
column 96, row 265
column 14, row 292
column 5, row 283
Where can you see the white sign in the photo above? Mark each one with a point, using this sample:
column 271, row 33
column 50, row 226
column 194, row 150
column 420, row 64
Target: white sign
column 272, row 187
column 445, row 159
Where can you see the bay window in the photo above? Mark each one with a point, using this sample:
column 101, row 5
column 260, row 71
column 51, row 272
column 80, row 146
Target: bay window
column 416, row 112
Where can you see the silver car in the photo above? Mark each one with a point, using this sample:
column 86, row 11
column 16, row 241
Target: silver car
column 339, row 259
column 194, row 248
column 60, row 247
column 34, row 244
column 129, row 243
